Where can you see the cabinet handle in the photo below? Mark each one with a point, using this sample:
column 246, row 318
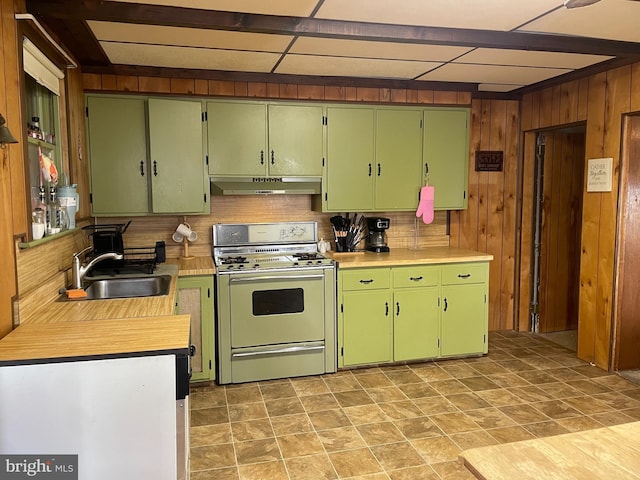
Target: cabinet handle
column 397, row 308
column 445, row 304
column 379, row 169
column 426, row 168
column 155, row 168
column 370, row 170
column 261, row 157
column 141, row 168
column 466, row 275
column 386, row 309
column 273, row 161
column 366, row 281
column 415, row 279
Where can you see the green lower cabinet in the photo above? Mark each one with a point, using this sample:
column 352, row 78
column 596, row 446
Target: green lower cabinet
column 195, row 297
column 367, row 327
column 463, row 319
column 416, row 325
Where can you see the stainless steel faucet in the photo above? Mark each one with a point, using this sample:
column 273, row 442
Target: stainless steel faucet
column 79, row 270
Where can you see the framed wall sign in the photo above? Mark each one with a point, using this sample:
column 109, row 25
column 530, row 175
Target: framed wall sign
column 599, row 174
column 489, row 160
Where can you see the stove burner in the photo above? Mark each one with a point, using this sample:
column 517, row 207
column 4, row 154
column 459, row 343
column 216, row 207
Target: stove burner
column 232, row 260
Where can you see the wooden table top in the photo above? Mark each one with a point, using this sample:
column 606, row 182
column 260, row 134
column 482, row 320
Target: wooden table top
column 610, row 452
column 92, row 338
column 405, row 256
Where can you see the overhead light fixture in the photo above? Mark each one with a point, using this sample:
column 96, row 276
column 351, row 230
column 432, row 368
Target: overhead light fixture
column 579, row 3
column 5, row 134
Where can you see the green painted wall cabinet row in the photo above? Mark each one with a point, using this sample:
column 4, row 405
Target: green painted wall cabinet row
column 146, row 156
column 412, row 312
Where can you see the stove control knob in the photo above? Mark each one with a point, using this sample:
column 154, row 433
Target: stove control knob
column 240, row 266
column 296, row 264
column 256, row 265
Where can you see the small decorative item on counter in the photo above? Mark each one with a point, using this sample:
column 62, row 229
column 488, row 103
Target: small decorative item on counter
column 57, row 219
column 324, row 246
column 38, row 223
column 34, row 128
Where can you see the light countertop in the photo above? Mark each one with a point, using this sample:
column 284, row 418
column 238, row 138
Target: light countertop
column 108, row 337
column 405, row 256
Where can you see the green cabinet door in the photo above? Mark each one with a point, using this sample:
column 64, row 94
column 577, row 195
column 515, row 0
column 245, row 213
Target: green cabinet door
column 446, row 156
column 237, row 138
column 416, row 327
column 176, row 158
column 367, row 327
column 295, row 140
column 117, row 141
column 195, row 298
column 350, row 158
column 463, row 319
column 398, row 165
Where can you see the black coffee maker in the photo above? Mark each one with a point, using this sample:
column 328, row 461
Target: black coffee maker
column 377, row 236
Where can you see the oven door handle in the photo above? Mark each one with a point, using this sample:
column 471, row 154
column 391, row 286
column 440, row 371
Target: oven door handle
column 278, row 351
column 274, row 277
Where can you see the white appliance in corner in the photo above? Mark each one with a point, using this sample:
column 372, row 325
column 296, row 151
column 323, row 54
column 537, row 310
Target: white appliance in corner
column 119, row 415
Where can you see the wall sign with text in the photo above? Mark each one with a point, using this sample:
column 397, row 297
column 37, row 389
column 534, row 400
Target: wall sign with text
column 599, row 174
column 489, row 160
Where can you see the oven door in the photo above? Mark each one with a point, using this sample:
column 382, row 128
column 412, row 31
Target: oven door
column 276, row 307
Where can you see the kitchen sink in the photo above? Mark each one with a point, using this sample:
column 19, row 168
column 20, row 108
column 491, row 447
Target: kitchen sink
column 128, row 287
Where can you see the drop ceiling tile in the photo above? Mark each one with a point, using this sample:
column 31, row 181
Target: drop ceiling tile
column 297, row 8
column 610, row 19
column 497, row 87
column 365, row 49
column 458, row 72
column 527, row 58
column 188, row 37
column 485, row 15
column 352, row 67
column 189, row 57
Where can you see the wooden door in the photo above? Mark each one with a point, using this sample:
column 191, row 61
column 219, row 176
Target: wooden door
column 563, row 179
column 626, row 353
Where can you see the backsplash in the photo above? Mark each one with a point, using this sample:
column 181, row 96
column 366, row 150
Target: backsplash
column 145, row 231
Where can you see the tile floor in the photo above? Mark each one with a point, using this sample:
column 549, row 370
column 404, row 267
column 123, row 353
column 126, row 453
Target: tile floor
column 402, row 422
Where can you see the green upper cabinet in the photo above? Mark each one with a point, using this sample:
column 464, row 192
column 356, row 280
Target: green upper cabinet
column 373, row 159
column 295, row 140
column 446, row 155
column 237, row 137
column 177, row 161
column 146, row 156
column 118, row 152
column 257, row 139
column 350, row 157
column 398, row 159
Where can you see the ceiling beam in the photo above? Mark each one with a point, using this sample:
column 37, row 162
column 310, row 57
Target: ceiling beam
column 79, row 10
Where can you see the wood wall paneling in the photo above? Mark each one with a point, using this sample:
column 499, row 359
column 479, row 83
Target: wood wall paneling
column 587, row 311
column 635, row 87
column 627, row 326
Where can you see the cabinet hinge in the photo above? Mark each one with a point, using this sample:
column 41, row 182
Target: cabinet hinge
column 464, row 195
column 86, row 112
column 325, row 121
column 485, row 298
column 438, row 305
column 484, row 340
column 208, row 293
column 204, row 116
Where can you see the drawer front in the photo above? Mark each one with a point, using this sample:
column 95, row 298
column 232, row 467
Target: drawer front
column 365, row 279
column 418, row 276
column 463, row 273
